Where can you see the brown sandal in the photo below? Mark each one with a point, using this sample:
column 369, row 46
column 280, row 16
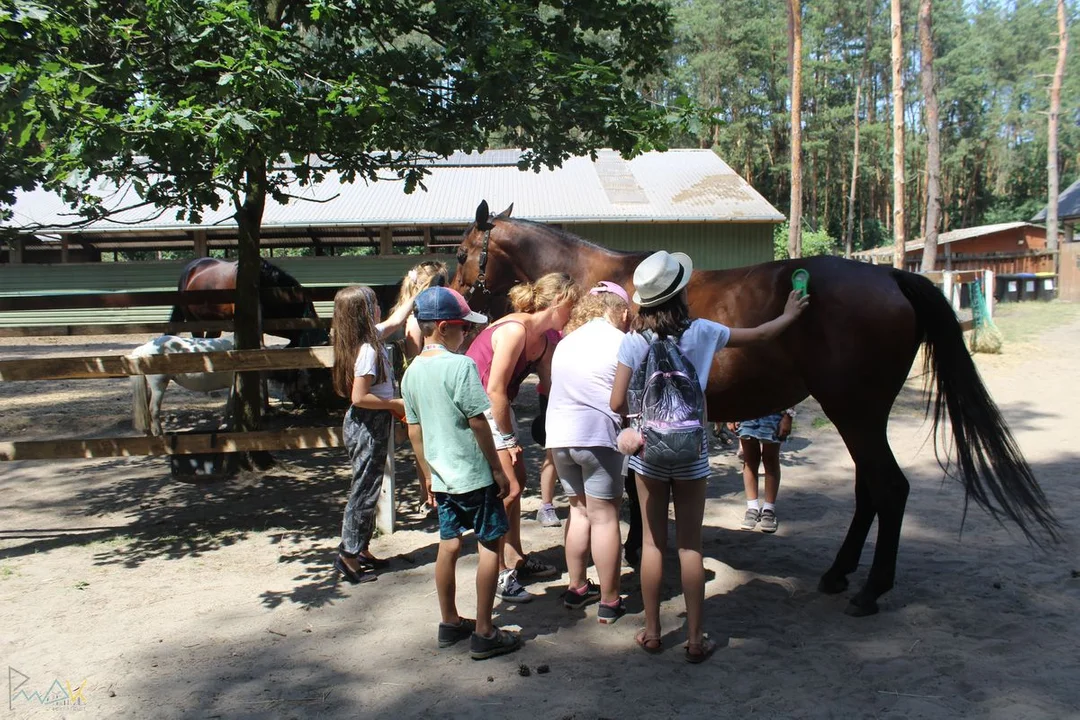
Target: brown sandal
column 699, row 652
column 649, row 643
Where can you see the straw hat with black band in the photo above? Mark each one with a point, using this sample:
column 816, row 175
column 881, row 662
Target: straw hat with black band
column 660, row 277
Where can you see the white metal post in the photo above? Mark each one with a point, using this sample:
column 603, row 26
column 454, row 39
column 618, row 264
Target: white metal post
column 988, row 292
column 385, row 511
column 947, row 287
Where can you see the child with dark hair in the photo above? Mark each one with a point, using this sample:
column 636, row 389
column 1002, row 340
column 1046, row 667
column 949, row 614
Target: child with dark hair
column 660, row 281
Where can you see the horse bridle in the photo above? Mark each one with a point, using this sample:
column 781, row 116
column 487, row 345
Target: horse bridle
column 481, row 277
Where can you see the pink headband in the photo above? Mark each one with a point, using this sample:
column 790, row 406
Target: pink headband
column 609, row 287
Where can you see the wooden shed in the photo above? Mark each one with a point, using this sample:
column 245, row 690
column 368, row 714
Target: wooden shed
column 1006, row 248
column 1069, row 260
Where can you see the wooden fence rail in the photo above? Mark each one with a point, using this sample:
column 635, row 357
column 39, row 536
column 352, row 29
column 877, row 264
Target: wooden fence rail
column 150, row 298
column 111, row 366
column 157, row 328
column 173, row 444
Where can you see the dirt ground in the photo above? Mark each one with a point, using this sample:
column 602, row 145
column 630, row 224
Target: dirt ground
column 166, row 599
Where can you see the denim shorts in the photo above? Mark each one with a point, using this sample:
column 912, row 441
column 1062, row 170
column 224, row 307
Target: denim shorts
column 766, row 429
column 479, row 510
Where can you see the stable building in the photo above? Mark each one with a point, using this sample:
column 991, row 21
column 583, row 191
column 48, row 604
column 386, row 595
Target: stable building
column 337, row 233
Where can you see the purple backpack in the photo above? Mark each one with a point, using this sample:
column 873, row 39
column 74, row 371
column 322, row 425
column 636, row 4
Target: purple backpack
column 666, row 398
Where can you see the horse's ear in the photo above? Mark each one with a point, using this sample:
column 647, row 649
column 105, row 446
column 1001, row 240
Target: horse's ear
column 506, row 213
column 482, row 215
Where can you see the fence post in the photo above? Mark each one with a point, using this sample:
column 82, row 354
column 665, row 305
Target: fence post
column 988, row 293
column 385, row 510
column 947, row 287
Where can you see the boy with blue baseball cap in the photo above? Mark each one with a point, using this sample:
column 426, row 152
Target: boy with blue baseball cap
column 455, row 453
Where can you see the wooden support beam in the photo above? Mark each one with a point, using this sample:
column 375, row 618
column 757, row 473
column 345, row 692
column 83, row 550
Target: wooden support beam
column 158, row 328
column 173, row 444
column 386, row 241
column 64, row 250
column 109, row 366
column 153, row 298
column 201, row 246
column 427, row 240
column 17, row 250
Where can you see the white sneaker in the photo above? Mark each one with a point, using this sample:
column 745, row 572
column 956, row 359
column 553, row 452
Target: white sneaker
column 547, row 517
column 509, row 589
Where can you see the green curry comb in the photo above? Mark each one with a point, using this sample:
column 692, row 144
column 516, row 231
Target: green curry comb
column 800, row 279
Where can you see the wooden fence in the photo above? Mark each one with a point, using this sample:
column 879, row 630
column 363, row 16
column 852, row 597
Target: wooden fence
column 113, row 366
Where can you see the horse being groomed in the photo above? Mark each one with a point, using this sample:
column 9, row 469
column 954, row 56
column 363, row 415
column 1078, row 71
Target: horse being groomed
column 146, row 411
column 851, row 350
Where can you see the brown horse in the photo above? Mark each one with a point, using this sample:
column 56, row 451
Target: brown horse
column 300, row 386
column 213, row 274
column 851, row 350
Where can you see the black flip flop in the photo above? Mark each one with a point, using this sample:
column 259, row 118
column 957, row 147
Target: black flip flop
column 351, row 575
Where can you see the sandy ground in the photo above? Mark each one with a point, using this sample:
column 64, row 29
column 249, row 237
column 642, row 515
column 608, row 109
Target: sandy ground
column 164, row 599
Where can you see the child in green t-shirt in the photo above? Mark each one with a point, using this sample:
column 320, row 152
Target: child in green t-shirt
column 455, row 453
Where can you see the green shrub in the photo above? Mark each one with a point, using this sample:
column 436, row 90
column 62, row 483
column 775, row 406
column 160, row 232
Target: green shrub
column 814, row 242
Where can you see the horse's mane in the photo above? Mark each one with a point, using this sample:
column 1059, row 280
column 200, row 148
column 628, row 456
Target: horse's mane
column 271, row 275
column 563, row 235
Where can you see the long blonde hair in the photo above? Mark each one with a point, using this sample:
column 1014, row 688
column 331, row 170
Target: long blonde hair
column 429, row 273
column 353, row 326
column 606, row 305
column 547, row 291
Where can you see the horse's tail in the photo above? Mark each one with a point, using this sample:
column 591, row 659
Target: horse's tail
column 991, row 467
column 140, row 404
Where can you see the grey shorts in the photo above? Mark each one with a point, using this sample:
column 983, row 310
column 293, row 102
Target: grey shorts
column 593, row 471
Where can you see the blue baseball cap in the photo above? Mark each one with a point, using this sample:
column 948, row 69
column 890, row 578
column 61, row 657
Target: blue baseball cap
column 442, row 303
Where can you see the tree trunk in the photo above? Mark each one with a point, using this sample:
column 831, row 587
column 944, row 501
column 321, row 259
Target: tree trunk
column 1052, row 135
column 849, row 225
column 899, row 221
column 933, row 139
column 247, row 315
column 795, row 73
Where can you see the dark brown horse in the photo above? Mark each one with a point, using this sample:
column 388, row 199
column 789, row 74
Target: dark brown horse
column 302, row 387
column 851, row 350
column 213, row 274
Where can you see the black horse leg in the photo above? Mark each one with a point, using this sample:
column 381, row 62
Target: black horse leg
column 889, row 493
column 847, row 559
column 632, row 547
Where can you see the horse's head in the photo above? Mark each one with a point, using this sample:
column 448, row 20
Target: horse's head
column 271, row 276
column 303, row 388
column 486, row 270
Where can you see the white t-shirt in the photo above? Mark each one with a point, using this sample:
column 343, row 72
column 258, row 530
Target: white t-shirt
column 365, row 365
column 582, row 373
column 700, row 341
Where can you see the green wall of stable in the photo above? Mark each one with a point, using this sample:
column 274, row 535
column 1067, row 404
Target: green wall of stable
column 712, row 246
column 27, row 279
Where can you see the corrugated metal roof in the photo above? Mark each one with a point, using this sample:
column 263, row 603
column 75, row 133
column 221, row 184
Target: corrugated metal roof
column 946, row 238
column 1068, row 205
column 673, row 186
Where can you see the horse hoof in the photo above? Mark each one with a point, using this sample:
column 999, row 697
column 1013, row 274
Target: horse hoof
column 857, row 608
column 832, row 585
